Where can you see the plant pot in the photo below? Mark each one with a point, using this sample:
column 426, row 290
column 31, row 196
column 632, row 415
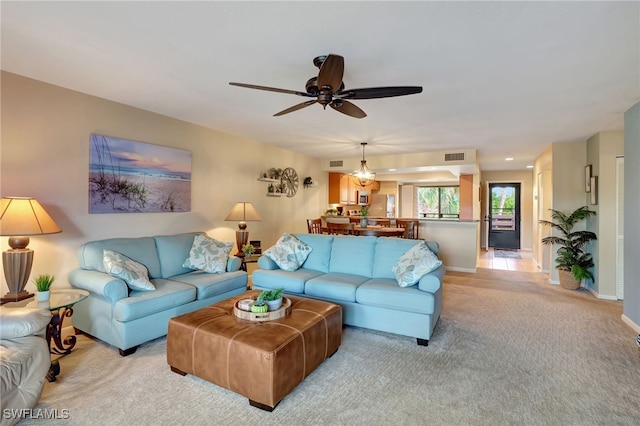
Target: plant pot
column 43, row 296
column 567, row 280
column 259, row 309
column 363, row 222
column 274, row 304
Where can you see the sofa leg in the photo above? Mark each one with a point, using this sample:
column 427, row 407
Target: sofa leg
column 127, row 352
column 423, row 342
column 77, row 331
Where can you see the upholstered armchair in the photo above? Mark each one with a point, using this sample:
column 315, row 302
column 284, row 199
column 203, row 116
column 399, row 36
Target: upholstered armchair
column 24, row 359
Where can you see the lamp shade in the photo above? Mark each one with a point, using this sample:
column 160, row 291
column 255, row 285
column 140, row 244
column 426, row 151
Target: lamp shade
column 243, row 211
column 21, row 216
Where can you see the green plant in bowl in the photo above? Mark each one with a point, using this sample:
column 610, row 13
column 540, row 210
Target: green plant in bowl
column 44, row 282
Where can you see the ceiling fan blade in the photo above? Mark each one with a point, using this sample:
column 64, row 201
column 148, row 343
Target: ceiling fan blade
column 378, row 92
column 347, row 108
column 331, row 72
column 295, row 108
column 272, row 89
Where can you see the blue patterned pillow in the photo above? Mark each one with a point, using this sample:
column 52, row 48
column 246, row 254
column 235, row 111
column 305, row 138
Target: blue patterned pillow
column 289, row 253
column 133, row 273
column 414, row 264
column 208, row 254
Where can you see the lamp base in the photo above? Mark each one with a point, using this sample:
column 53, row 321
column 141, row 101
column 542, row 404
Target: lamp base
column 16, row 297
column 242, row 237
column 17, row 268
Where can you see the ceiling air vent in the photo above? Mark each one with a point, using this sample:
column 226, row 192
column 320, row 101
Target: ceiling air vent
column 336, row 163
column 458, row 156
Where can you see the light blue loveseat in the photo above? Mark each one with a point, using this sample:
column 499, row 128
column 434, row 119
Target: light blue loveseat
column 356, row 273
column 126, row 318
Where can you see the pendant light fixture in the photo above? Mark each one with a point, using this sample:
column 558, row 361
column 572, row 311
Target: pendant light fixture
column 365, row 175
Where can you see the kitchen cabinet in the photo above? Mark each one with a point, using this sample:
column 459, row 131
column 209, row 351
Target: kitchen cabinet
column 343, row 190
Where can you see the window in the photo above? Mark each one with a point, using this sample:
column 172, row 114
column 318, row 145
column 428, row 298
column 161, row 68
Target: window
column 439, row 202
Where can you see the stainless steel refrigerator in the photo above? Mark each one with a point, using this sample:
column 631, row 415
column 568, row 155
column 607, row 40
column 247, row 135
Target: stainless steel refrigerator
column 382, row 205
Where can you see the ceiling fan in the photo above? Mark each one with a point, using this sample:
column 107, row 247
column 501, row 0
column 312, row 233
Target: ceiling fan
column 328, row 89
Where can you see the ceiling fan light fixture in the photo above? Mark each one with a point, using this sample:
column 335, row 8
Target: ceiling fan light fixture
column 365, row 175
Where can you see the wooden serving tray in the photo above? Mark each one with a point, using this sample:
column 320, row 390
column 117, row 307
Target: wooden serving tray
column 283, row 311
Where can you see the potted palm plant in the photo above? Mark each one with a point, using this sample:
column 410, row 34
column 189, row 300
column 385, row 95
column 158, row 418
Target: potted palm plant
column 364, row 212
column 574, row 261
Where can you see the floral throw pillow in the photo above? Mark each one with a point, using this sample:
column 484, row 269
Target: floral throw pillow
column 289, row 253
column 414, row 264
column 208, row 254
column 133, row 273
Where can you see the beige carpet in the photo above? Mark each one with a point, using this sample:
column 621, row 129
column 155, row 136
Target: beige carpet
column 509, row 349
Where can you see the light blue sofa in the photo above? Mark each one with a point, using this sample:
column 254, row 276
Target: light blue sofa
column 126, row 318
column 355, row 273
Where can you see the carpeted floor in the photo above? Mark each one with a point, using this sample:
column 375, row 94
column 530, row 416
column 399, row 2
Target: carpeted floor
column 509, row 349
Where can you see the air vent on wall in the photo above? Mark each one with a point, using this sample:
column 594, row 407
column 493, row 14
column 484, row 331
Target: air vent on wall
column 336, row 163
column 458, row 156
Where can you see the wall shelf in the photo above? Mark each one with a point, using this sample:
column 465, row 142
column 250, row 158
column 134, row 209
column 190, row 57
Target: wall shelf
column 274, row 194
column 268, row 180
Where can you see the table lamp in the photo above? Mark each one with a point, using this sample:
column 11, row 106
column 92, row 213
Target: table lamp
column 19, row 218
column 242, row 212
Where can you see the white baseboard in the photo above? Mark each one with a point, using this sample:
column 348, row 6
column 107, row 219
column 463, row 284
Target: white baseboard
column 630, row 323
column 456, row 269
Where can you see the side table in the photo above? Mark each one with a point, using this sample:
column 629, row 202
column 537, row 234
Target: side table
column 60, row 304
column 248, row 259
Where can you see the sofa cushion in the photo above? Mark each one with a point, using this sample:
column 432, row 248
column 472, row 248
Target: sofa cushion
column 388, row 251
column 292, row 282
column 352, row 255
column 208, row 254
column 142, row 250
column 318, row 259
column 21, row 322
column 289, row 253
column 209, row 285
column 172, row 251
column 168, row 294
column 131, row 272
column 335, row 286
column 414, row 264
column 385, row 293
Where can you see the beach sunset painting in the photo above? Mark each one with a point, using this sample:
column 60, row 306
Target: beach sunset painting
column 135, row 177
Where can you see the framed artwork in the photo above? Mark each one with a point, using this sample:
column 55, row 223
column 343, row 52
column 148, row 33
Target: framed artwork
column 587, row 178
column 256, row 245
column 135, row 177
column 594, row 189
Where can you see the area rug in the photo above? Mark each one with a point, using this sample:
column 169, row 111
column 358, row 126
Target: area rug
column 505, row 253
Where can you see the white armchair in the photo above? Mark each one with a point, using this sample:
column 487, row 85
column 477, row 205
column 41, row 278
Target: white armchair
column 24, row 359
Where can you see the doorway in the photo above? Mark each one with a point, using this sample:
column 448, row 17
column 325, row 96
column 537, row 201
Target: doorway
column 504, row 215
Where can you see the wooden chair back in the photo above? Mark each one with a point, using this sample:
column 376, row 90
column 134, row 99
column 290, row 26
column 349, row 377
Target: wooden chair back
column 410, row 228
column 382, row 222
column 314, row 226
column 339, row 228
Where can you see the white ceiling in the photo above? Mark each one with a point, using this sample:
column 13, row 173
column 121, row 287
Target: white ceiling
column 505, row 78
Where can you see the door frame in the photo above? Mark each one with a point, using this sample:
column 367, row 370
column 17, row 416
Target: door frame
column 487, row 205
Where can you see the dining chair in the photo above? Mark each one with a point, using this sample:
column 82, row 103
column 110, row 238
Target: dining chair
column 410, row 228
column 314, row 226
column 381, row 222
column 338, row 228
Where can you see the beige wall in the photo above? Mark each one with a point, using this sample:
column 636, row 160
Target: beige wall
column 45, row 154
column 525, row 178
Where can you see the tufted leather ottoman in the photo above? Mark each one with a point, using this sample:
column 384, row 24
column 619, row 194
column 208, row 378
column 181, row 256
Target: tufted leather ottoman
column 263, row 361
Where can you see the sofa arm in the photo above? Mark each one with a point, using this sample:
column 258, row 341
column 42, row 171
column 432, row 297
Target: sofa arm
column 265, row 262
column 432, row 282
column 99, row 283
column 233, row 264
column 23, row 322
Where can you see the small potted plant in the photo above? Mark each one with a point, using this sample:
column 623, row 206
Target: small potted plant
column 574, row 261
column 248, row 250
column 273, row 298
column 43, row 286
column 259, row 306
column 307, row 182
column 364, row 211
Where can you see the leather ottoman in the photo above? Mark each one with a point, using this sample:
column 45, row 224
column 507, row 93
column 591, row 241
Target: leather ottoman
column 263, row 361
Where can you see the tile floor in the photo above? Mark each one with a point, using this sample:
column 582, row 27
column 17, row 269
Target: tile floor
column 486, row 259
